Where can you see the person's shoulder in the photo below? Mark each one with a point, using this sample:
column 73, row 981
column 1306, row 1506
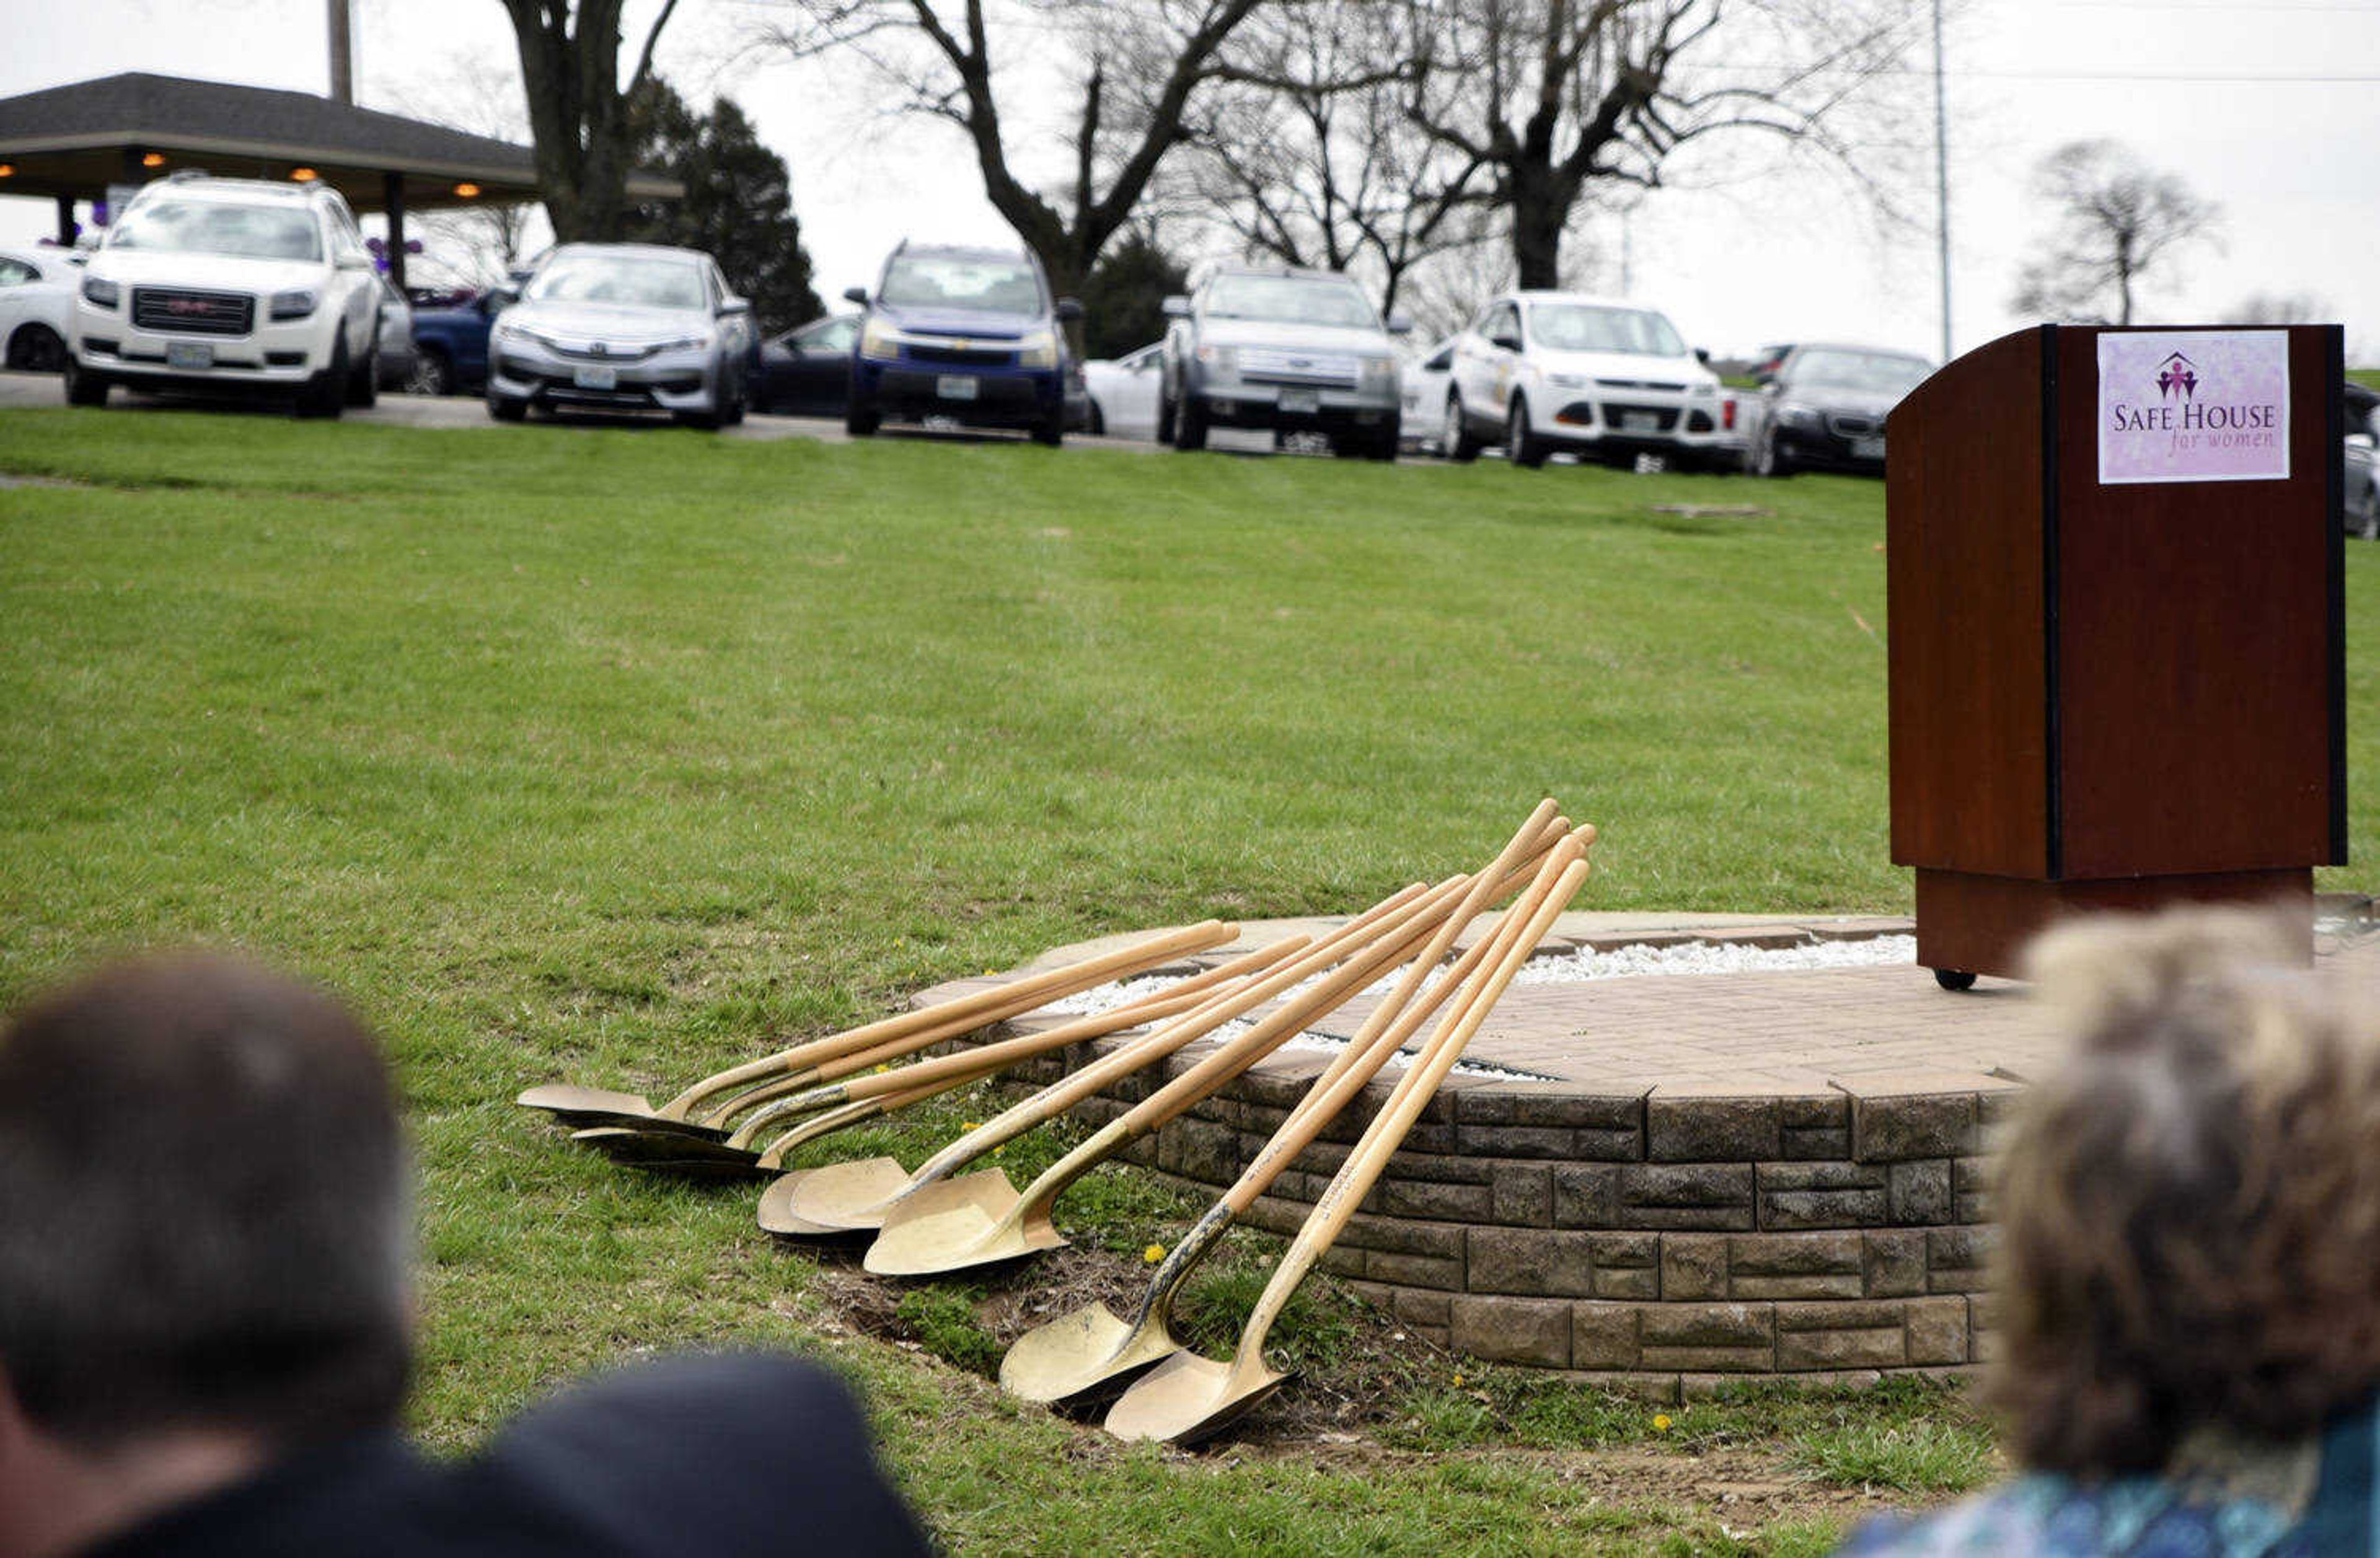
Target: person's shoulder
column 713, row 1451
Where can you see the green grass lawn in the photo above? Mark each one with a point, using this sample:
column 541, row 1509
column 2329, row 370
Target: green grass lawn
column 620, row 755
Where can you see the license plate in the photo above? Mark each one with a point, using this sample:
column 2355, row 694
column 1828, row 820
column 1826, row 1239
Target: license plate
column 1640, row 421
column 957, row 387
column 1301, row 400
column 595, row 378
column 1867, row 448
column 190, row 354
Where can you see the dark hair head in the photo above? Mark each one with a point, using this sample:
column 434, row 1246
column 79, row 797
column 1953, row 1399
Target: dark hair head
column 2190, row 1208
column 204, row 1213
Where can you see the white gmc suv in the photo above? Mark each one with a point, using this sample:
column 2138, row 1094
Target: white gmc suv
column 228, row 284
column 1540, row 371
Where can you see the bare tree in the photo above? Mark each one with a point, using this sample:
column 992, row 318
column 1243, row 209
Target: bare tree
column 2117, row 221
column 1310, row 157
column 1554, row 98
column 1138, row 67
column 474, row 245
column 2279, row 307
column 577, row 107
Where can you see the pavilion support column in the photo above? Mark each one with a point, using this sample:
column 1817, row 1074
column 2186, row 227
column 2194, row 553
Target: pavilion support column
column 66, row 219
column 392, row 201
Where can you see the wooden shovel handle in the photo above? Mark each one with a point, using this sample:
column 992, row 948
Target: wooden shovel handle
column 1558, row 881
column 1064, row 1093
column 983, row 1060
column 966, row 1014
column 1394, row 1019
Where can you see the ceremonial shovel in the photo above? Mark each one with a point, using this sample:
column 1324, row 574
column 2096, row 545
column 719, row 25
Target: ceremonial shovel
column 1188, row 1398
column 790, row 1071
column 1077, row 1354
column 854, row 1195
column 982, row 1219
column 736, row 1157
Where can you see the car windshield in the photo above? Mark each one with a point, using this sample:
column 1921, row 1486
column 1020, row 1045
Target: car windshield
column 1880, row 372
column 946, row 281
column 639, row 280
column 1580, row 327
column 1291, row 301
column 246, row 232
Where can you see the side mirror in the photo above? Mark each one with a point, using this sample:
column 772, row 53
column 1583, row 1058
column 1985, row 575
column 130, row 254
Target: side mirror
column 1701, row 355
column 855, row 294
column 499, row 298
column 1508, row 342
column 1068, row 309
column 735, row 306
column 354, row 262
column 1177, row 307
column 1400, row 324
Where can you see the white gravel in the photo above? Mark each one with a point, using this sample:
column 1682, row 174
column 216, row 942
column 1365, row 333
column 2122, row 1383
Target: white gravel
column 1575, row 968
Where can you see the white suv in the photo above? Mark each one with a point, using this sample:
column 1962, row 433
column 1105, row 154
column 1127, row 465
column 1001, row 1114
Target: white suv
column 1539, row 371
column 228, row 284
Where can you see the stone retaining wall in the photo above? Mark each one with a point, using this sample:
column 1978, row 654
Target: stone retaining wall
column 1668, row 1241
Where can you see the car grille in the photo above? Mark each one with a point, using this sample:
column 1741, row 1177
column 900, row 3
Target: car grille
column 1853, row 426
column 192, row 314
column 1615, row 414
column 1263, row 366
column 962, row 356
column 1655, row 385
column 585, row 352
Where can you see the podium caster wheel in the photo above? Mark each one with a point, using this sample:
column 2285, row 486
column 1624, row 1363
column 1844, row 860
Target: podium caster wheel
column 1954, row 979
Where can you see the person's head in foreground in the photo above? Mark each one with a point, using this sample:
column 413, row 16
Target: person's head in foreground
column 204, row 1227
column 2189, row 1274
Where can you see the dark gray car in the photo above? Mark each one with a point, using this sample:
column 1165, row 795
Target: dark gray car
column 1822, row 407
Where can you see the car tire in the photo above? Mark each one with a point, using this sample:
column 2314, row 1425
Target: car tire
column 433, row 374
column 1385, row 444
column 83, row 386
column 1522, row 445
column 1764, row 458
column 363, row 388
column 1457, row 443
column 325, row 395
column 2370, row 528
column 1190, row 425
column 1098, row 422
column 508, row 408
column 1164, row 417
column 36, row 349
column 1050, row 434
column 861, row 421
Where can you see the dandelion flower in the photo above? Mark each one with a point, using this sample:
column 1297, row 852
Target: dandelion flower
column 1153, row 1254
column 1660, row 1422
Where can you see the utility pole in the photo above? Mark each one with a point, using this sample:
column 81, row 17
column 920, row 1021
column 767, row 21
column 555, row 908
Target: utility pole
column 343, row 62
column 1942, row 180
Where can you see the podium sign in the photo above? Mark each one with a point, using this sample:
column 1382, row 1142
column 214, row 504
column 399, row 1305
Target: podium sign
column 2114, row 576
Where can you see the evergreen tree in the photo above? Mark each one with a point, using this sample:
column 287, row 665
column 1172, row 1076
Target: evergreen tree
column 738, row 205
column 1124, row 301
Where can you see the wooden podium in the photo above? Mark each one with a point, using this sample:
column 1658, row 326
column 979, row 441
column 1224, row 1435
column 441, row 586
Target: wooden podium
column 2110, row 689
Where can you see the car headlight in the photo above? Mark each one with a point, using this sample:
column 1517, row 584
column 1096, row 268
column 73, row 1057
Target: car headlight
column 683, row 344
column 1703, row 392
column 1037, row 350
column 1380, row 372
column 1568, row 381
column 1222, row 360
column 880, row 341
column 1798, row 416
column 101, row 292
column 507, row 331
column 296, row 303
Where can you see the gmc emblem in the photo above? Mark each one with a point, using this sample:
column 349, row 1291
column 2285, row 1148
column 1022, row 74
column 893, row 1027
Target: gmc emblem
column 187, row 306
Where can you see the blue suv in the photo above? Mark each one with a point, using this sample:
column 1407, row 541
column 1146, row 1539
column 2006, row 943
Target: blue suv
column 967, row 334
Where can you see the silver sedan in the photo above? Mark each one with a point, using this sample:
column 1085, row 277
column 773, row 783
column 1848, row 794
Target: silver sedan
column 622, row 327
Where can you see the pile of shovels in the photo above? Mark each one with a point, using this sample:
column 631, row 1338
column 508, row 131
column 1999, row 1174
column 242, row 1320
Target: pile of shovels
column 941, row 1218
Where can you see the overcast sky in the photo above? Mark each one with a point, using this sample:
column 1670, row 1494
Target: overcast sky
column 2270, row 109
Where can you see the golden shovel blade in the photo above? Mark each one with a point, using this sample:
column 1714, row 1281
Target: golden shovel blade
column 1188, row 1399
column 692, row 1157
column 583, row 1107
column 1081, row 1355
column 778, row 1216
column 846, row 1196
column 947, row 1226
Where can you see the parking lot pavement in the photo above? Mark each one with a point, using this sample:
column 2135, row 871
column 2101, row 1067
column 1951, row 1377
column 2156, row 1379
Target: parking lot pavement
column 469, row 411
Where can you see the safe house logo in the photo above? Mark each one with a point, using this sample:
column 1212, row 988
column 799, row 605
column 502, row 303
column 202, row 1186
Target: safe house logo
column 2194, row 406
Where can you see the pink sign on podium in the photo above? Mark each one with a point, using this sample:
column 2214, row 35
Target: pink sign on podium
column 2193, row 405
